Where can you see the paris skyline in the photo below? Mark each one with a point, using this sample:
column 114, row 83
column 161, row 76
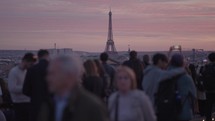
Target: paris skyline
column 145, row 25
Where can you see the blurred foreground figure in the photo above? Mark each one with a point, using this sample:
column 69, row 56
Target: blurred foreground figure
column 209, row 84
column 2, row 117
column 35, row 85
column 129, row 104
column 15, row 84
column 70, row 101
column 146, row 61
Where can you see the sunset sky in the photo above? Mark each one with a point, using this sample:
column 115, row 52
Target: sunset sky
column 82, row 24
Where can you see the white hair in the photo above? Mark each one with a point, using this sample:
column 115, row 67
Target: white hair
column 70, row 64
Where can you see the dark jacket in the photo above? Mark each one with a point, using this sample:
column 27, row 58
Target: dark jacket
column 35, row 86
column 137, row 67
column 187, row 90
column 110, row 71
column 94, row 84
column 209, row 77
column 82, row 106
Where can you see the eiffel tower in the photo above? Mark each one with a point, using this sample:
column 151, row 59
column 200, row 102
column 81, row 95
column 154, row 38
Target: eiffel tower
column 110, row 47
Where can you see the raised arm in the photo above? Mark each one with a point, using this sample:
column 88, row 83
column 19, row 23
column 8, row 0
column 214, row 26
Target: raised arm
column 167, row 74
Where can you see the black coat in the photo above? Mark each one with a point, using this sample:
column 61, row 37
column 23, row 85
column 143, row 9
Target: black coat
column 35, row 86
column 137, row 67
column 94, row 84
column 82, row 106
column 209, row 77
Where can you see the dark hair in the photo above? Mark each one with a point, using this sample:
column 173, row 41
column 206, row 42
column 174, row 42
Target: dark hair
column 133, row 54
column 104, row 57
column 158, row 57
column 192, row 67
column 41, row 53
column 146, row 58
column 100, row 68
column 29, row 57
column 211, row 57
column 90, row 68
column 177, row 60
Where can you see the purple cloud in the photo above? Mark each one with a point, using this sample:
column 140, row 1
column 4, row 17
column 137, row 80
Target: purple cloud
column 77, row 23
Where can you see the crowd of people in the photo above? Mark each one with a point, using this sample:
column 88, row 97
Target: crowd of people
column 65, row 89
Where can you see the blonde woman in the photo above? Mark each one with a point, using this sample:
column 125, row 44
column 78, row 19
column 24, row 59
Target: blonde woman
column 128, row 103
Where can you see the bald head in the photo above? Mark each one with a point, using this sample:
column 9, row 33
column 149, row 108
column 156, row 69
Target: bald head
column 64, row 73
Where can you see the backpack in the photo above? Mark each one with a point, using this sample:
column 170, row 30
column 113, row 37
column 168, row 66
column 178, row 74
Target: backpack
column 209, row 77
column 168, row 101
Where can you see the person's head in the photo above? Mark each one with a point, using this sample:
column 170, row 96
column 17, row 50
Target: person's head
column 104, row 57
column 90, row 68
column 133, row 54
column 125, row 79
column 146, row 58
column 64, row 74
column 43, row 54
column 160, row 60
column 177, row 60
column 28, row 60
column 211, row 57
column 192, row 67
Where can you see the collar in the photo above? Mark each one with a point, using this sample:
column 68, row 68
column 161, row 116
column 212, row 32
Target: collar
column 62, row 98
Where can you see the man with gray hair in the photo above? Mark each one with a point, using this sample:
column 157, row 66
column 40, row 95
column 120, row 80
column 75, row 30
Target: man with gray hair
column 70, row 101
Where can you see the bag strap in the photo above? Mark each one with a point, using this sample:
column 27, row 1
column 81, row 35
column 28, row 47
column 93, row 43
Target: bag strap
column 116, row 108
column 190, row 98
column 185, row 99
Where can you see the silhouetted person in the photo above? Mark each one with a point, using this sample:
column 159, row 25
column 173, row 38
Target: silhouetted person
column 15, row 84
column 108, row 68
column 193, row 71
column 105, row 78
column 209, row 84
column 35, row 85
column 201, row 91
column 70, row 102
column 92, row 81
column 135, row 64
column 146, row 61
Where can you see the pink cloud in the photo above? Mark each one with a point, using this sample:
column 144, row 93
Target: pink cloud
column 77, row 23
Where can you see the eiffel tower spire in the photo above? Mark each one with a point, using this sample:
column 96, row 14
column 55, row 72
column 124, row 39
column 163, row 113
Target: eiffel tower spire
column 110, row 47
